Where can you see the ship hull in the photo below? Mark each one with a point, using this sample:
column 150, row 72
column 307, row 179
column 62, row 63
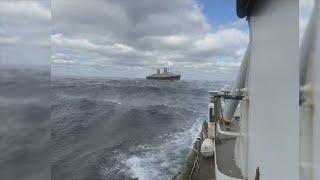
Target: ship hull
column 170, row 78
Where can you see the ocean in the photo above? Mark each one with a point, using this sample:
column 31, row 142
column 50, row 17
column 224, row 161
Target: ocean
column 97, row 128
column 25, row 123
column 125, row 128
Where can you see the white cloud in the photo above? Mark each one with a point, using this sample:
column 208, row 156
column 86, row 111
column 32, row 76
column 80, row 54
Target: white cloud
column 59, row 40
column 63, row 61
column 174, row 40
column 24, row 8
column 224, row 42
column 8, row 40
column 121, row 48
column 145, row 35
column 229, row 64
column 25, row 32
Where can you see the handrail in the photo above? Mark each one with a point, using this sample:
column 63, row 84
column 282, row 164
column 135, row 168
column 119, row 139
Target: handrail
column 226, row 132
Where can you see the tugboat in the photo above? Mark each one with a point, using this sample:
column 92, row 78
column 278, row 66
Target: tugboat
column 166, row 75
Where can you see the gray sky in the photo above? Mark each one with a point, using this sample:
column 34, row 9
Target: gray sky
column 124, row 38
column 25, row 32
column 132, row 38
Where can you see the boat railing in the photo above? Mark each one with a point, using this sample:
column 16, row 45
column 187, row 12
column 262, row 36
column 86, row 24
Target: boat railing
column 216, row 99
column 227, row 132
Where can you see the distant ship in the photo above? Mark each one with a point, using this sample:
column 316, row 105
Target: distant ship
column 166, row 75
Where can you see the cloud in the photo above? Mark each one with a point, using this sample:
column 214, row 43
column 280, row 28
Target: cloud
column 25, row 32
column 59, row 40
column 144, row 35
column 305, row 10
column 306, row 4
column 8, row 40
column 174, row 40
column 63, row 61
column 223, row 41
column 31, row 9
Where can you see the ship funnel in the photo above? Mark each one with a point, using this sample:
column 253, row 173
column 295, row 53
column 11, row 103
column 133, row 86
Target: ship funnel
column 165, row 70
column 158, row 71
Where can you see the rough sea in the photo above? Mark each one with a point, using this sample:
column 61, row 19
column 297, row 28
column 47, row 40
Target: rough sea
column 101, row 129
column 25, row 123
column 125, row 128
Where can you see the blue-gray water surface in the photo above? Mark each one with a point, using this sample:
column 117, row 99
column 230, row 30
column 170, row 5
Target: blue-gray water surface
column 101, row 129
column 25, row 123
column 124, row 129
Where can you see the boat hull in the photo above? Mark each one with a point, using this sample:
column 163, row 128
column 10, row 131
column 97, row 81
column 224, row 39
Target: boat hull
column 163, row 78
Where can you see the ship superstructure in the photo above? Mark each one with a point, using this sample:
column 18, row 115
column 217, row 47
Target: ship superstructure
column 165, row 75
column 263, row 142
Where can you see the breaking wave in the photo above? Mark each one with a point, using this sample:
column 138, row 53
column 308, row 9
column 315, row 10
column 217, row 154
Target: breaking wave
column 124, row 129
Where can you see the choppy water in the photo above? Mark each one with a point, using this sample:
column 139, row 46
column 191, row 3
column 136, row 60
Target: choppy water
column 124, row 129
column 24, row 124
column 100, row 129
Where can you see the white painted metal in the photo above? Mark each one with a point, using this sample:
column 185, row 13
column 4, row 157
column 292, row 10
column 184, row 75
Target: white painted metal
column 310, row 93
column 317, row 96
column 306, row 112
column 269, row 125
column 241, row 146
column 210, row 106
column 273, row 125
column 207, row 148
column 220, row 175
column 231, row 106
column 227, row 133
column 273, row 129
column 211, row 130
